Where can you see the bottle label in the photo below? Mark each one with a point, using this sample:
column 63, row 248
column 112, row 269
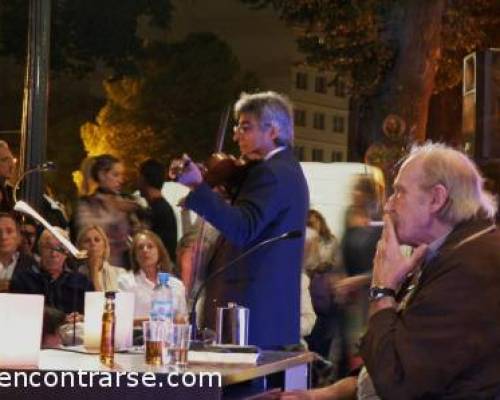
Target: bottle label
column 161, row 310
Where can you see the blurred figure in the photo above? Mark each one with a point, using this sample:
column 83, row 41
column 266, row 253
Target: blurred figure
column 107, row 208
column 62, row 288
column 7, row 169
column 148, row 256
column 161, row 217
column 327, row 336
column 358, row 250
column 328, row 244
column 12, row 260
column 53, row 320
column 104, row 276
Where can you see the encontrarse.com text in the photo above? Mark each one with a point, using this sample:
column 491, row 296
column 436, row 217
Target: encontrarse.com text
column 107, row 379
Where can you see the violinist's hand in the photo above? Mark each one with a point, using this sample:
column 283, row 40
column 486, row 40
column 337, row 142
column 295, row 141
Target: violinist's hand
column 185, row 171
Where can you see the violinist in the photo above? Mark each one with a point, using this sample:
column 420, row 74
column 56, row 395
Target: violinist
column 272, row 199
column 108, row 208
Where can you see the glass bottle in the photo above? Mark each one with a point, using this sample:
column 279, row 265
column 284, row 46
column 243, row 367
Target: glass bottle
column 107, row 353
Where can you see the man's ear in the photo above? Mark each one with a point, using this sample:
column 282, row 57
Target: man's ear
column 273, row 133
column 439, row 197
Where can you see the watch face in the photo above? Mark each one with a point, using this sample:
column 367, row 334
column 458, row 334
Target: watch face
column 379, row 292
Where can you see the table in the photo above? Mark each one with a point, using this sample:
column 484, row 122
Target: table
column 94, row 381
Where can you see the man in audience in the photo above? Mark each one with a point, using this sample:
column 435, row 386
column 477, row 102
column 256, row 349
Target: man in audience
column 63, row 289
column 161, row 216
column 7, row 168
column 11, row 259
column 433, row 331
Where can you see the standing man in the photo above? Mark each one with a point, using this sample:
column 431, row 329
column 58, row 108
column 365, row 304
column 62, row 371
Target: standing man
column 271, row 200
column 7, row 168
column 160, row 216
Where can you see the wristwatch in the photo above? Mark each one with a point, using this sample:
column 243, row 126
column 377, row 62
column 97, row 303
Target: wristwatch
column 378, row 292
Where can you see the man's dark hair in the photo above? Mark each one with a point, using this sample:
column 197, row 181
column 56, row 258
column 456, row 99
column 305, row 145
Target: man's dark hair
column 153, row 173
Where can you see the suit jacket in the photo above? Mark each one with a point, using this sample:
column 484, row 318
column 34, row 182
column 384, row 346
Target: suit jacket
column 445, row 344
column 272, row 200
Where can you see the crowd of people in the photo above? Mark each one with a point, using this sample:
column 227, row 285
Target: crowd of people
column 414, row 275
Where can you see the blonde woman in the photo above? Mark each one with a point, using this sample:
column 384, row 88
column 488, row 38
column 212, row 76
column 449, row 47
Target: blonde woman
column 148, row 256
column 103, row 275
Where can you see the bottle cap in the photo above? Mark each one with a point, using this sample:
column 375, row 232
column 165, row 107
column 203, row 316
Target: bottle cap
column 163, row 278
column 109, row 295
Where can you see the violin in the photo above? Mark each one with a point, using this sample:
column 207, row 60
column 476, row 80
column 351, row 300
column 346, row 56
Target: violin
column 220, row 170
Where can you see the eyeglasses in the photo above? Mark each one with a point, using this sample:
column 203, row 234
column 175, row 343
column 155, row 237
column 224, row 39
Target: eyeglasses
column 57, row 249
column 243, row 128
column 246, row 127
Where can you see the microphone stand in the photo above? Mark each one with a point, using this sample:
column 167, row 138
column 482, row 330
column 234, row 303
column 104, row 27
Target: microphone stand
column 192, row 316
column 47, row 166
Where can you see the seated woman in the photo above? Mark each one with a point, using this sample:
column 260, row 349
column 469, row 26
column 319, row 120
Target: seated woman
column 148, row 256
column 62, row 288
column 103, row 275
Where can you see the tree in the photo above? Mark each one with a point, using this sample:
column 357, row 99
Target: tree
column 85, row 32
column 173, row 106
column 395, row 53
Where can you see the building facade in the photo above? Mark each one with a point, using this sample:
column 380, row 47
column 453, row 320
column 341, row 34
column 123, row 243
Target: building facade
column 321, row 108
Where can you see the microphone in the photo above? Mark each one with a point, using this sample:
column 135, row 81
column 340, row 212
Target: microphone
column 295, row 234
column 43, row 167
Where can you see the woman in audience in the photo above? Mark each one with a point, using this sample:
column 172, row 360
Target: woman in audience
column 103, row 275
column 107, row 208
column 148, row 256
column 328, row 244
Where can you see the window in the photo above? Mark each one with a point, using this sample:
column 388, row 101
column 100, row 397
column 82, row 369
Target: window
column 317, row 155
column 300, row 117
column 319, row 121
column 320, row 84
column 339, row 88
column 338, row 124
column 301, row 80
column 299, row 152
column 337, row 156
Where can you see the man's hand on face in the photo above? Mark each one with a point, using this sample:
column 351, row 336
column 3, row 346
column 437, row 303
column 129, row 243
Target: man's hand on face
column 390, row 267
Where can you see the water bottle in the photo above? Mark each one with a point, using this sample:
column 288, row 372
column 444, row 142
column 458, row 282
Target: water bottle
column 162, row 300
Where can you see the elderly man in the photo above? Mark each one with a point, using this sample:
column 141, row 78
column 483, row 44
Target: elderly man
column 439, row 336
column 271, row 199
column 63, row 289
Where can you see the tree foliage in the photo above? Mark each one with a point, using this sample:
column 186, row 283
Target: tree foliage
column 85, row 32
column 173, row 106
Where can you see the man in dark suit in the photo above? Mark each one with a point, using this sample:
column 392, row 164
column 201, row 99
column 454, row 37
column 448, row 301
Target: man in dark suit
column 272, row 199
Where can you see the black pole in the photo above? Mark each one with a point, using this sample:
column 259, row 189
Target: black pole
column 35, row 100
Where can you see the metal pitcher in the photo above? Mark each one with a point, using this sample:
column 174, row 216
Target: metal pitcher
column 232, row 324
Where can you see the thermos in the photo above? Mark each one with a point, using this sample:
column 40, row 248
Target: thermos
column 232, row 325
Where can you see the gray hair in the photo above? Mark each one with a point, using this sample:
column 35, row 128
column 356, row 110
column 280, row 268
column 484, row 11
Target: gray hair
column 444, row 165
column 270, row 108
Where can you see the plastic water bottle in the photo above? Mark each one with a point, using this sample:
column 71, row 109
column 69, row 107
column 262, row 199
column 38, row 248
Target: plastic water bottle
column 162, row 305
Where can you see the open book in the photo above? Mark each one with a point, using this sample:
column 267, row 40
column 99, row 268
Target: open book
column 25, row 208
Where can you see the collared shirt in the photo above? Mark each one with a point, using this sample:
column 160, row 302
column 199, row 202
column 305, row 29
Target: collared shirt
column 273, row 152
column 6, row 271
column 142, row 287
